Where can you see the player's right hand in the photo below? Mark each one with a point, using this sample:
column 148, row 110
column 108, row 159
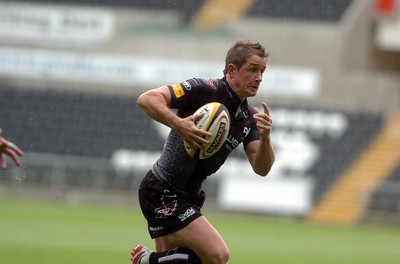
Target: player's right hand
column 194, row 136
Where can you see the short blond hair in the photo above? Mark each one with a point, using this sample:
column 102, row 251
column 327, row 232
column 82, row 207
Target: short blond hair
column 241, row 50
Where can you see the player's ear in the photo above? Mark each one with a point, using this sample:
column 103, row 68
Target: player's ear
column 231, row 69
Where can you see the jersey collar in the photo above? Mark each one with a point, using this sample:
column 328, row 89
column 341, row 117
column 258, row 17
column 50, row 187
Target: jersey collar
column 236, row 101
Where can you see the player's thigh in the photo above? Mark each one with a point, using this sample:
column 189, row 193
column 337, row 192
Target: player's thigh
column 201, row 237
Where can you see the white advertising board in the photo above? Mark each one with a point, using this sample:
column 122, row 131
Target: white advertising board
column 56, row 25
column 277, row 196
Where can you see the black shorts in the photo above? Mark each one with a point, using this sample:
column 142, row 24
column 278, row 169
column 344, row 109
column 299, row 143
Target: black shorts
column 166, row 210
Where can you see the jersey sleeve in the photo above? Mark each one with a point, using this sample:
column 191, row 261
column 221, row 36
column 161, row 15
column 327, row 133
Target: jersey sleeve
column 185, row 93
column 189, row 94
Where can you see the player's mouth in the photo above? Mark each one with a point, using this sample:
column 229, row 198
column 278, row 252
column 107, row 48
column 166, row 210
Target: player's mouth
column 254, row 87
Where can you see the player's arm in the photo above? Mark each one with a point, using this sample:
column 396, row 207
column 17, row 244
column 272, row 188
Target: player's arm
column 10, row 149
column 261, row 152
column 157, row 104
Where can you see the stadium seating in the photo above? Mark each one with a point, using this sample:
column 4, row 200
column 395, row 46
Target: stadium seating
column 387, row 197
column 73, row 135
column 75, row 124
column 300, row 9
column 338, row 155
column 287, row 9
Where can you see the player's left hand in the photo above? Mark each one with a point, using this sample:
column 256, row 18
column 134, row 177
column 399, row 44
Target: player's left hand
column 264, row 121
column 11, row 150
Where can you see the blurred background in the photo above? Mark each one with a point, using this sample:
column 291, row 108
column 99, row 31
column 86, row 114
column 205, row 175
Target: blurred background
column 71, row 71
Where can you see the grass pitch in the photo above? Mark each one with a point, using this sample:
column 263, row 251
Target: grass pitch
column 46, row 232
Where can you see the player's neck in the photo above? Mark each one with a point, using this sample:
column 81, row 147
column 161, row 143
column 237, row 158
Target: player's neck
column 235, row 89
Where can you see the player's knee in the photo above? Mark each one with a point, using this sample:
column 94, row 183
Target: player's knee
column 224, row 256
column 217, row 257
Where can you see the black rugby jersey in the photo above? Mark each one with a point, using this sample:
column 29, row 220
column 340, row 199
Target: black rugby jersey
column 174, row 166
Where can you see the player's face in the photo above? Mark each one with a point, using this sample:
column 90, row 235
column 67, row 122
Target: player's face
column 248, row 78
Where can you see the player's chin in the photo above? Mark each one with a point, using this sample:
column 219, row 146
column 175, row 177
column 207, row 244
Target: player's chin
column 252, row 92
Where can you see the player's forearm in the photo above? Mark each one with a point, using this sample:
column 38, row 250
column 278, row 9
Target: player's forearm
column 264, row 157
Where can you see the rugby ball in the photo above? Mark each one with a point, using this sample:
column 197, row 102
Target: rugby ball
column 215, row 120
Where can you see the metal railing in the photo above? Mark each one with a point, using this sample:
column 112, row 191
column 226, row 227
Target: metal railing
column 56, row 174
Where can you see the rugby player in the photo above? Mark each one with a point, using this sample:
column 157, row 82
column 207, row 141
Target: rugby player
column 171, row 195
